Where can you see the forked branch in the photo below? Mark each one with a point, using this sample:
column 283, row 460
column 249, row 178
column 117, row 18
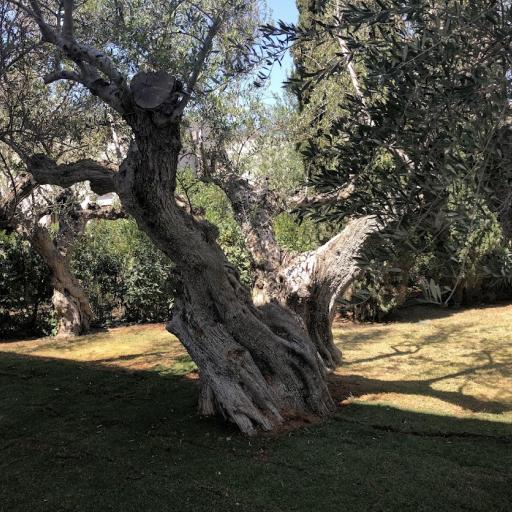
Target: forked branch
column 97, row 71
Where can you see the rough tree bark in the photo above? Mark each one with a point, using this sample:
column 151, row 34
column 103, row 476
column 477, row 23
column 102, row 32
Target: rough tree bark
column 257, row 366
column 308, row 284
column 70, row 302
column 313, row 283
column 257, row 362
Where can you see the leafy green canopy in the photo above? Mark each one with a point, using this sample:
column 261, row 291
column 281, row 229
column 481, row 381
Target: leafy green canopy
column 420, row 125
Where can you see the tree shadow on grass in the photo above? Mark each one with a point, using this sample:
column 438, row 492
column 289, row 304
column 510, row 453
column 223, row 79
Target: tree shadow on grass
column 350, row 385
column 344, row 387
column 82, row 437
column 426, row 355
column 422, row 313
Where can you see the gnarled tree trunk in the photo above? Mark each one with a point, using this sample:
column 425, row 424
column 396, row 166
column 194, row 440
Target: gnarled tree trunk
column 257, row 362
column 312, row 283
column 308, row 284
column 257, row 366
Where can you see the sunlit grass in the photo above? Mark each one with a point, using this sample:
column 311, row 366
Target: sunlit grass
column 458, row 364
column 108, row 422
column 136, row 347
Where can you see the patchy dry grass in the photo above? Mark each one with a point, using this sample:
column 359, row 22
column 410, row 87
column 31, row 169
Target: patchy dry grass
column 458, row 364
column 108, row 422
column 136, row 347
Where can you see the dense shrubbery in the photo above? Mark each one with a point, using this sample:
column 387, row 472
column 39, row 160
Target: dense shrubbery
column 124, row 275
column 478, row 271
column 128, row 280
column 25, row 290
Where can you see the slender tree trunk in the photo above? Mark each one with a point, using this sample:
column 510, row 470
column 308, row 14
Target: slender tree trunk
column 72, row 308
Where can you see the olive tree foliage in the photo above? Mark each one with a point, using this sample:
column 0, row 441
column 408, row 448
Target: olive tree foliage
column 31, row 121
column 262, row 359
column 420, row 133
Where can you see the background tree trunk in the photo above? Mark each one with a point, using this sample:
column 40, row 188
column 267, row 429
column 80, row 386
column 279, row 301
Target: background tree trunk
column 70, row 302
column 72, row 308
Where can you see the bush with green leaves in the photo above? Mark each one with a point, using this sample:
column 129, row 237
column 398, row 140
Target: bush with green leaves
column 420, row 126
column 25, row 290
column 125, row 277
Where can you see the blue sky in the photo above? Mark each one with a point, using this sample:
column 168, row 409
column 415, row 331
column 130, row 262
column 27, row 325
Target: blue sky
column 285, row 10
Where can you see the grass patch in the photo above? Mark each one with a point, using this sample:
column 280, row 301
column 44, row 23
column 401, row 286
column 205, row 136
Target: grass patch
column 108, row 422
column 457, row 363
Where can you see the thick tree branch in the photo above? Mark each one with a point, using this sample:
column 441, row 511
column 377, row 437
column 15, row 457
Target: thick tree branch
column 89, row 60
column 62, row 74
column 254, row 206
column 47, row 172
column 333, row 265
column 302, row 199
column 314, row 281
column 108, row 212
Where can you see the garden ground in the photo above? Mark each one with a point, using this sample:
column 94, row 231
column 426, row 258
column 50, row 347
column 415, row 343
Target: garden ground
column 108, row 422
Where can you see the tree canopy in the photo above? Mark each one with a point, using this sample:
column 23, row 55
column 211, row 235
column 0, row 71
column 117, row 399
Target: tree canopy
column 402, row 124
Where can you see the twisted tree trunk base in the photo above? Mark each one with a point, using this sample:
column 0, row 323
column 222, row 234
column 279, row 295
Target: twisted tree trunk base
column 255, row 382
column 73, row 317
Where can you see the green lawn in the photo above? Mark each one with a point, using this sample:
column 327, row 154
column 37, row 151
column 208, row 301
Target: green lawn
column 108, row 422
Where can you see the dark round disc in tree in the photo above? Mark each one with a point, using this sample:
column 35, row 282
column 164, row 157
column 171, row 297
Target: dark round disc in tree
column 151, row 89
